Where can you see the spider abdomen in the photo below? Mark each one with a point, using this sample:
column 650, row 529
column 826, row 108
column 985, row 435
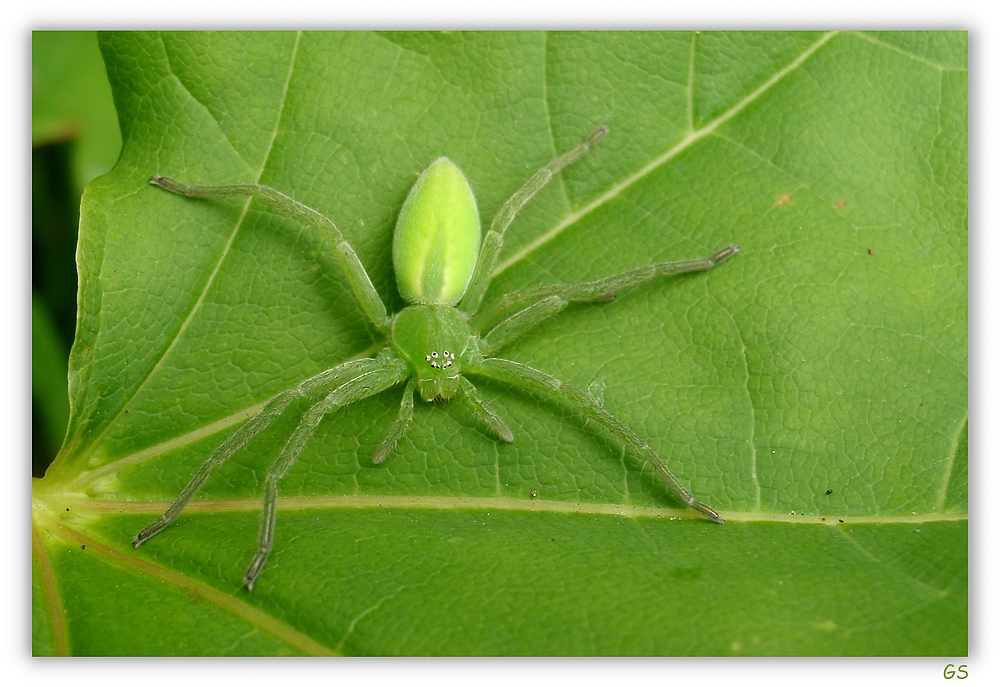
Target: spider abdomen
column 436, row 242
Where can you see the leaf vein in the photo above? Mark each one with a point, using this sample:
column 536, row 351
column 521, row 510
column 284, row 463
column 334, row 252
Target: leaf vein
column 896, row 569
column 907, row 53
column 204, row 106
column 690, row 139
column 53, row 603
column 206, row 592
column 86, row 504
column 210, row 281
column 950, row 464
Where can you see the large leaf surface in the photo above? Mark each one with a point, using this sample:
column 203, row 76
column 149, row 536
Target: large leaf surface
column 813, row 389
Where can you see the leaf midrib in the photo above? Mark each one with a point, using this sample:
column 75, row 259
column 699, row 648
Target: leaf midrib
column 83, row 505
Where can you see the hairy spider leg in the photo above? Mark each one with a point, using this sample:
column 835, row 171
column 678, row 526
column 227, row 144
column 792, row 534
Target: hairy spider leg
column 321, row 383
column 389, row 372
column 484, row 413
column 493, row 241
column 520, row 323
column 530, row 379
column 361, row 283
column 535, row 305
column 399, row 427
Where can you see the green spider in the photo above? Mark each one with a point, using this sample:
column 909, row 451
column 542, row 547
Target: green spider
column 441, row 336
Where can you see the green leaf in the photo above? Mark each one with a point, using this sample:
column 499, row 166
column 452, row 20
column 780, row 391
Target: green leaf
column 813, row 389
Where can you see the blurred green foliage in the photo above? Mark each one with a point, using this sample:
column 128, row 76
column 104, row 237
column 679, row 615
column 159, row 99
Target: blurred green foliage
column 74, row 138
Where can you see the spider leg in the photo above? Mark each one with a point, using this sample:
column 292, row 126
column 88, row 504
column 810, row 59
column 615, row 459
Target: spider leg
column 520, row 323
column 399, row 427
column 530, row 379
column 485, row 413
column 493, row 241
column 602, row 289
column 388, row 373
column 360, row 282
column 317, row 384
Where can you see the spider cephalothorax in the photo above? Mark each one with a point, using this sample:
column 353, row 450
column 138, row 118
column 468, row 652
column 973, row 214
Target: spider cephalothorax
column 444, row 334
column 433, row 339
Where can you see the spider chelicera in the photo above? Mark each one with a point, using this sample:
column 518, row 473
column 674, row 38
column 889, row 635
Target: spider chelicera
column 442, row 270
